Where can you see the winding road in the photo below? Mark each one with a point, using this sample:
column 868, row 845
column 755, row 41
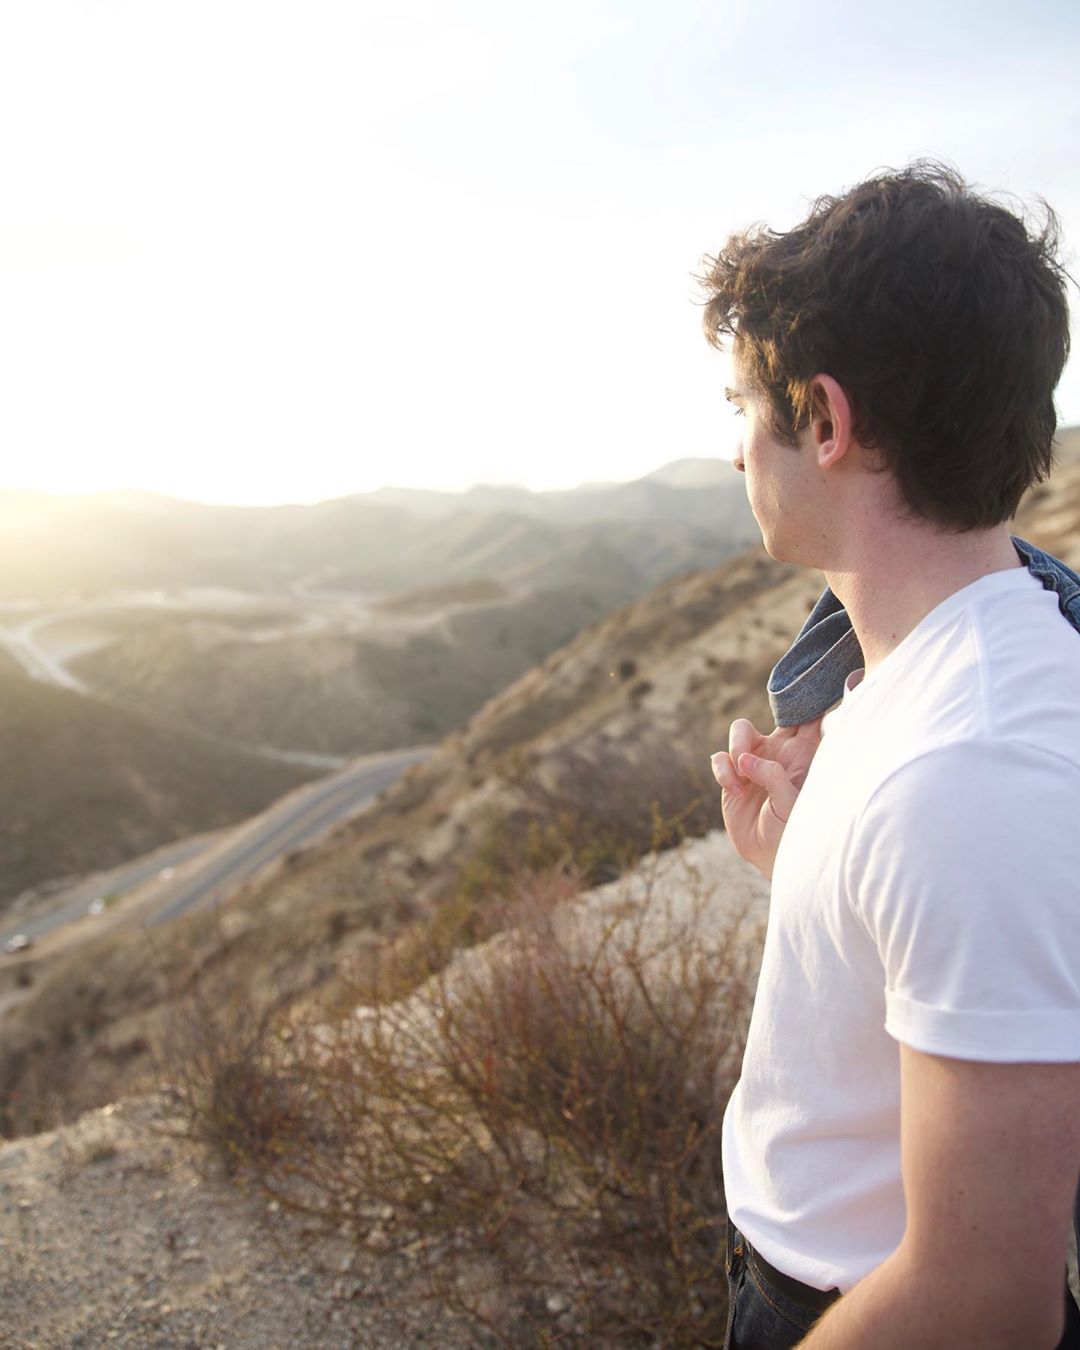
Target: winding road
column 34, row 660
column 291, row 821
column 202, row 871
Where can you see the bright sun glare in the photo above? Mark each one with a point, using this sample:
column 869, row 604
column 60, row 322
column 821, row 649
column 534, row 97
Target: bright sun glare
column 330, row 251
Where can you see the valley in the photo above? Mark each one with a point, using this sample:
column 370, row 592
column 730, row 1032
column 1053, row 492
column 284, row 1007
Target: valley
column 170, row 668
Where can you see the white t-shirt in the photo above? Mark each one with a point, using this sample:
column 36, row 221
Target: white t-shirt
column 926, row 890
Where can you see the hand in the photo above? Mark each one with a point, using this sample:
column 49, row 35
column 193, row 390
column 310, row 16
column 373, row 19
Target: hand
column 761, row 777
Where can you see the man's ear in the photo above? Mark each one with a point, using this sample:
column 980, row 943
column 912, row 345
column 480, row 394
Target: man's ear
column 830, row 420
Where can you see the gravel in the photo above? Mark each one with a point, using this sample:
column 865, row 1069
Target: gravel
column 112, row 1234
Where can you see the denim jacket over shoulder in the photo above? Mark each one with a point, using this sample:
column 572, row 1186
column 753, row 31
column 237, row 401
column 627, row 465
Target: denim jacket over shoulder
column 809, row 678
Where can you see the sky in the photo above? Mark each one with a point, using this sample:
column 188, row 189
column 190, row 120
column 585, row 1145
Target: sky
column 258, row 252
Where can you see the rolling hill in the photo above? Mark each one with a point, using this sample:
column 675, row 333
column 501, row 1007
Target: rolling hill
column 626, row 712
column 337, row 692
column 315, row 645
column 57, row 549
column 88, row 785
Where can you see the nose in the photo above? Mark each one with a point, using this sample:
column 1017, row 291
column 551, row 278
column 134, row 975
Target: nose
column 738, row 460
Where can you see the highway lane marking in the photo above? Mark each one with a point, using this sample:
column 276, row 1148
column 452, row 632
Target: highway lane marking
column 247, row 860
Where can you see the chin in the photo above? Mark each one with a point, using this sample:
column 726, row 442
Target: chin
column 775, row 549
column 772, row 538
column 785, row 546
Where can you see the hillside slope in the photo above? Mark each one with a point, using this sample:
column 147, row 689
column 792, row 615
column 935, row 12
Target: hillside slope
column 338, row 692
column 87, row 785
column 70, row 548
column 235, row 1282
column 631, row 707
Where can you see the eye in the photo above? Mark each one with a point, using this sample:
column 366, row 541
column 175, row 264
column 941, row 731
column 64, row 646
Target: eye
column 739, row 412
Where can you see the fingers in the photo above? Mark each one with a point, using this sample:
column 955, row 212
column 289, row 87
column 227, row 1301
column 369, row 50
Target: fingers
column 809, row 731
column 744, row 738
column 773, row 777
column 725, row 774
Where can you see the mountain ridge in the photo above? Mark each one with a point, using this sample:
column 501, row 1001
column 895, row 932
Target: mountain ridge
column 636, row 702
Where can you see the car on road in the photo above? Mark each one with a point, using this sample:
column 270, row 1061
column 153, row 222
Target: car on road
column 166, row 873
column 18, row 943
column 96, row 906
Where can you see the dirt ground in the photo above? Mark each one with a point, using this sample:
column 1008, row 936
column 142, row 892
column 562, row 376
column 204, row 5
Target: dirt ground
column 113, row 1234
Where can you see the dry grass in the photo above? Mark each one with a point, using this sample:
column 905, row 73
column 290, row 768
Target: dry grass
column 538, row 1124
column 216, row 1055
column 609, row 803
column 589, row 812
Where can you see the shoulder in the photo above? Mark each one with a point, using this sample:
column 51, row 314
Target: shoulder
column 981, row 828
column 966, row 876
column 974, row 797
column 1028, row 670
column 988, row 765
column 1004, row 670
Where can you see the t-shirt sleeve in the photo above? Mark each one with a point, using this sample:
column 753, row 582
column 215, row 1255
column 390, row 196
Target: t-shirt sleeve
column 964, row 867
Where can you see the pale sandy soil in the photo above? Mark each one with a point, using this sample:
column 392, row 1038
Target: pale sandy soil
column 113, row 1235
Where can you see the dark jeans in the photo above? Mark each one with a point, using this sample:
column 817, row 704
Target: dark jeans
column 761, row 1317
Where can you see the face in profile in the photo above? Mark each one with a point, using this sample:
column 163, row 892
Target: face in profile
column 777, row 481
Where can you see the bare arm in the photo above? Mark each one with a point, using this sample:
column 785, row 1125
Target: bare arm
column 990, row 1156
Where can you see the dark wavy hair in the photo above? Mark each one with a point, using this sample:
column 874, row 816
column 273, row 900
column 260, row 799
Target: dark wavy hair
column 941, row 313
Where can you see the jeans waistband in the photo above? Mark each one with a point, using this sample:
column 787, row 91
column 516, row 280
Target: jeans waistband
column 816, row 1300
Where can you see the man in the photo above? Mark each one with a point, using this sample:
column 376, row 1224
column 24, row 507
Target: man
column 902, row 1151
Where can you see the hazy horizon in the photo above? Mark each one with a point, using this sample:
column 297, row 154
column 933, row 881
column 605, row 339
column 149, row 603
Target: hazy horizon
column 13, row 488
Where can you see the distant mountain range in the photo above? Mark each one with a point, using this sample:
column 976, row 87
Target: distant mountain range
column 686, row 515
column 637, row 692
column 367, row 623
column 588, row 500
column 463, row 602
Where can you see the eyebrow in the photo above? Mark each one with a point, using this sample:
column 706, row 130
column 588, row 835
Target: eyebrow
column 734, row 396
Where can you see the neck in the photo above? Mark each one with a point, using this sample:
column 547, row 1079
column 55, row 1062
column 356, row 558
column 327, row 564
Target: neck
column 906, row 573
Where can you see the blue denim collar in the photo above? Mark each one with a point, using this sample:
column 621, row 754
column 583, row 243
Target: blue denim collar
column 809, row 678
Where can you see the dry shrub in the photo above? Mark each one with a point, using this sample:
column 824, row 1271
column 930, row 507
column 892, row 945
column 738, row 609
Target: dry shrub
column 230, row 1089
column 608, row 807
column 609, row 802
column 31, row 1097
column 539, row 1125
